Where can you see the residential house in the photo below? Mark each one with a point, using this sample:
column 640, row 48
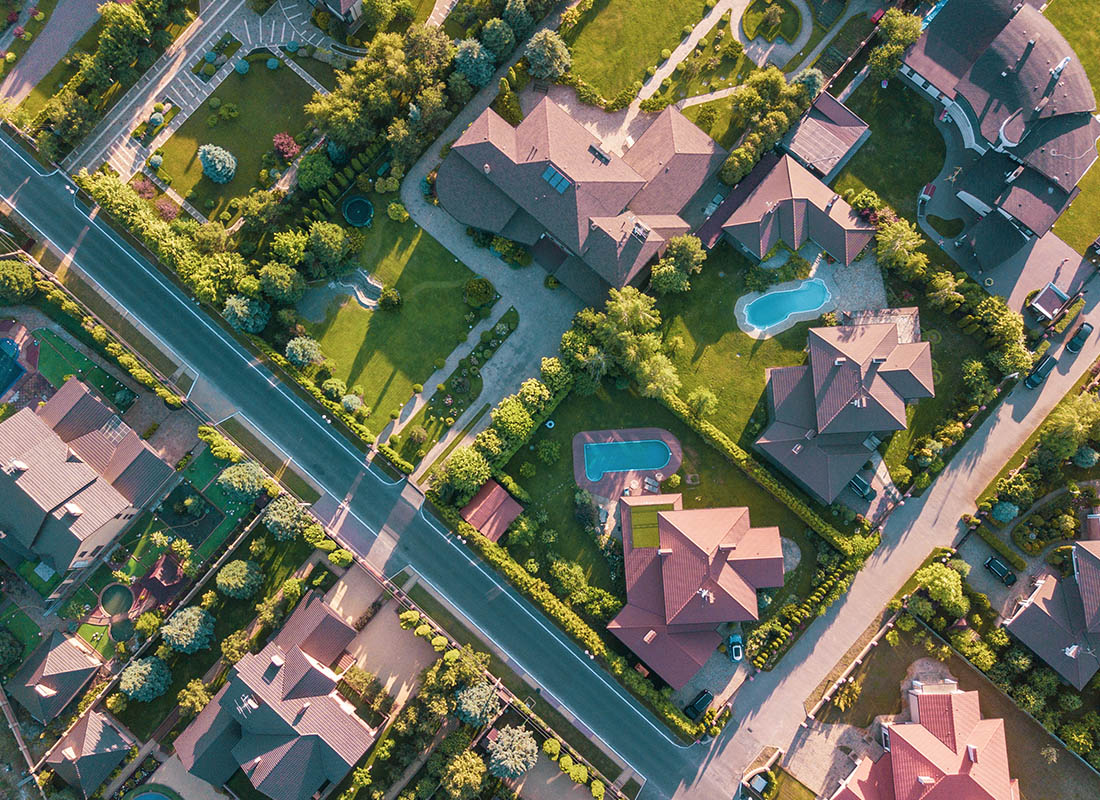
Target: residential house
column 945, row 750
column 89, row 753
column 54, row 674
column 688, row 571
column 782, row 201
column 594, row 219
column 72, row 475
column 827, row 417
column 491, row 510
column 826, row 137
column 279, row 718
column 1020, row 98
column 1060, row 619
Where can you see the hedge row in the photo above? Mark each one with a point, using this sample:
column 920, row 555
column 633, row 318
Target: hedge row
column 538, row 591
column 854, row 546
column 1002, row 548
column 1071, row 314
column 68, row 306
column 395, row 458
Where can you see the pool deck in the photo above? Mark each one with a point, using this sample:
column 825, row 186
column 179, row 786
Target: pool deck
column 28, row 354
column 799, row 316
column 614, row 484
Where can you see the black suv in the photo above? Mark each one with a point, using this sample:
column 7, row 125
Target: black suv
column 860, row 486
column 1075, row 344
column 1001, row 570
column 697, row 707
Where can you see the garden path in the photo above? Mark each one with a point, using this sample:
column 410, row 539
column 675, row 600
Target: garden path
column 171, row 78
column 779, row 51
column 69, row 21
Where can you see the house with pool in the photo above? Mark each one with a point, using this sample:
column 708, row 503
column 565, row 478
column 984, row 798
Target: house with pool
column 827, row 417
column 687, row 572
column 72, row 475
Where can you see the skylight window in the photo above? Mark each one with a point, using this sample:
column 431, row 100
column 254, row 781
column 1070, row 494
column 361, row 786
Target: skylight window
column 556, row 180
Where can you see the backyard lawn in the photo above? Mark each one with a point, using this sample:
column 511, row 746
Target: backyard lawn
column 882, row 673
column 710, row 67
column 725, row 129
column 268, row 101
column 99, row 637
column 613, row 45
column 790, row 788
column 57, row 359
column 904, row 152
column 1079, row 22
column 752, row 21
column 387, row 352
column 22, row 627
column 720, row 485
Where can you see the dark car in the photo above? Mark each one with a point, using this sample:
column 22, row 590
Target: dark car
column 860, row 486
column 1039, row 374
column 697, row 707
column 1001, row 570
column 1075, row 344
column 735, row 647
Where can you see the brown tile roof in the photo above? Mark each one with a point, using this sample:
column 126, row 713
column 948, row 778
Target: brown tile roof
column 947, row 752
column 279, row 717
column 705, row 570
column 789, row 203
column 613, row 213
column 1087, row 568
column 53, row 676
column 825, row 134
column 858, row 381
column 491, row 510
column 89, row 753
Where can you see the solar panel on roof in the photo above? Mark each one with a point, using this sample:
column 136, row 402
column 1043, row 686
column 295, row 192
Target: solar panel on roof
column 556, row 180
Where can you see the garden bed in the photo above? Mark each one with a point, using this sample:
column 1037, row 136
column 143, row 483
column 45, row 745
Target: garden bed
column 754, row 24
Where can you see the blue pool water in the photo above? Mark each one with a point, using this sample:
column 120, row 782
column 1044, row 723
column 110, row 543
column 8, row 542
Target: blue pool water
column 149, row 795
column 601, row 458
column 771, row 308
column 9, row 364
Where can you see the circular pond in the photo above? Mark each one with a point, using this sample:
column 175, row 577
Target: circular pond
column 358, row 211
column 122, row 630
column 116, row 599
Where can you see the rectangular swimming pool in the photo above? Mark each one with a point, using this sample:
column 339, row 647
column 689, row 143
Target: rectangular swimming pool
column 10, row 370
column 600, row 458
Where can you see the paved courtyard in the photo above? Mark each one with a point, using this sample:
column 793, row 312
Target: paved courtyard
column 172, row 774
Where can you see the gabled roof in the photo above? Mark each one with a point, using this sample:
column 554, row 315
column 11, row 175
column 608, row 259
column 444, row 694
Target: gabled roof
column 1087, row 570
column 786, row 202
column 491, row 510
column 53, row 676
column 858, row 381
column 551, row 174
column 280, row 718
column 89, row 753
column 946, row 752
column 824, row 135
column 705, row 569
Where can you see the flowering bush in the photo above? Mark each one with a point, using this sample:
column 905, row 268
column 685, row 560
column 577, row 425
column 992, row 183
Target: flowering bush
column 144, row 188
column 167, row 209
column 19, row 30
column 285, row 146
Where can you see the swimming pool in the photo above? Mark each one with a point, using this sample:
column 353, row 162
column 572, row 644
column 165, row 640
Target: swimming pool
column 116, row 599
column 772, row 308
column 601, row 458
column 10, row 370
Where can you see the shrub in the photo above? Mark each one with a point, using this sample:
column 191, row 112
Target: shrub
column 479, row 292
column 314, row 171
column 285, row 518
column 548, row 56
column 239, row 579
column 242, row 482
column 340, row 558
column 16, row 282
column 220, row 447
column 218, row 164
column 552, row 748
column 303, row 351
column 189, row 630
column 286, row 147
column 145, row 679
column 1005, row 511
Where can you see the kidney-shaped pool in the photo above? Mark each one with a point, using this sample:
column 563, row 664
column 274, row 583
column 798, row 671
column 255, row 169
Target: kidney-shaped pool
column 774, row 307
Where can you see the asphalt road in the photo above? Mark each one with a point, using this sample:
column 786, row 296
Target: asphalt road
column 406, row 537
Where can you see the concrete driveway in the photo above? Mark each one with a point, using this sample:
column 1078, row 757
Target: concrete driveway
column 1003, row 598
column 394, row 655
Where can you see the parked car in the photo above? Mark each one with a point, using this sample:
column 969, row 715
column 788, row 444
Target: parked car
column 860, row 486
column 1001, row 570
column 697, row 707
column 1040, row 372
column 1075, row 344
column 735, row 647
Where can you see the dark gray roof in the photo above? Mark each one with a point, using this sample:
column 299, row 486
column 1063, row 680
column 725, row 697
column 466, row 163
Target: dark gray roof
column 994, row 239
column 53, row 676
column 1000, row 182
column 89, row 753
column 279, row 718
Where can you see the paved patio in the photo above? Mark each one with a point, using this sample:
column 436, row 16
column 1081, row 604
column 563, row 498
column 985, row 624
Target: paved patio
column 545, row 781
column 614, row 484
column 394, row 655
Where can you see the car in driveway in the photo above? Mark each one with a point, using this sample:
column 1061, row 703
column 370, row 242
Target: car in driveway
column 1081, row 336
column 697, row 707
column 860, row 486
column 735, row 647
column 1001, row 570
column 1040, row 372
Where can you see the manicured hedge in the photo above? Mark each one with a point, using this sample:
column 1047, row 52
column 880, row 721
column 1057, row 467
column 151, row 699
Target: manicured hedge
column 395, row 458
column 1002, row 548
column 855, row 545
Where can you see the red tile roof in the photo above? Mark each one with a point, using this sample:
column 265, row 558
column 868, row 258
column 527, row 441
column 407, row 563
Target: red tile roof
column 947, row 752
column 705, row 570
column 491, row 510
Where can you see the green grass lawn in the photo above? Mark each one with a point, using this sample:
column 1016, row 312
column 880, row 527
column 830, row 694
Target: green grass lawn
column 44, row 588
column 321, row 72
column 99, row 637
column 709, row 67
column 721, row 484
column 269, row 102
column 58, row 359
column 904, row 152
column 752, row 21
column 790, row 788
column 22, row 627
column 612, row 47
column 203, row 469
column 1079, row 22
column 387, row 352
column 726, row 129
column 816, row 35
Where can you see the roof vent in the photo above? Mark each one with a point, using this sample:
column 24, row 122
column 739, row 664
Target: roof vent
column 839, row 360
column 649, row 636
column 811, row 433
column 598, row 154
column 797, row 448
column 276, row 660
column 640, row 231
column 972, row 752
column 305, row 705
column 664, row 551
column 925, row 780
column 1057, row 71
column 74, row 509
column 706, row 594
column 486, row 167
column 19, row 466
column 1072, row 651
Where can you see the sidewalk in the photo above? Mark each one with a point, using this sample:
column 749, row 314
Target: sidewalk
column 69, row 21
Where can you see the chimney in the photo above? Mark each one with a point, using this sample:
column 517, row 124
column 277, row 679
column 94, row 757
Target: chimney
column 1057, row 71
column 649, row 636
column 727, row 547
column 878, row 360
column 664, row 551
column 69, row 753
column 972, row 752
column 832, row 202
column 305, row 705
column 1072, row 651
column 19, row 466
column 73, row 509
column 276, row 660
